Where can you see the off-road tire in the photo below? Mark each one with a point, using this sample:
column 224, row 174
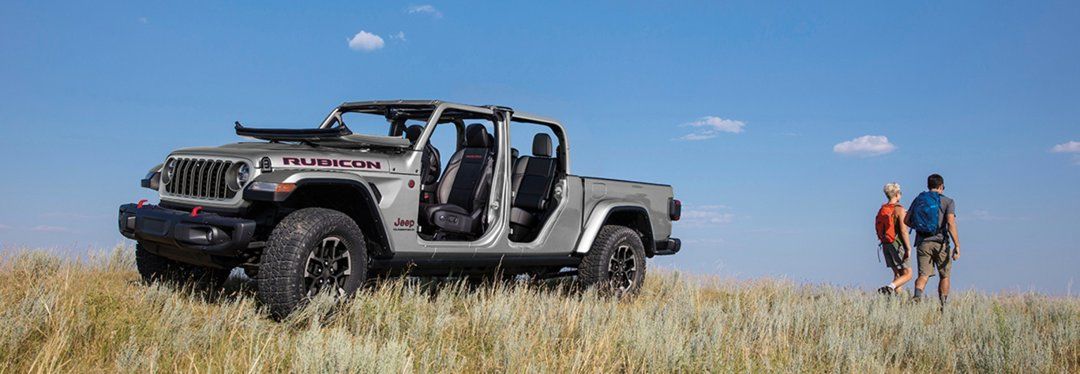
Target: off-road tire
column 595, row 268
column 158, row 269
column 281, row 284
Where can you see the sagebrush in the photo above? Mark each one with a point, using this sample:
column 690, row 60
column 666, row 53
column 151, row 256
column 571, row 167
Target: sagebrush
column 94, row 315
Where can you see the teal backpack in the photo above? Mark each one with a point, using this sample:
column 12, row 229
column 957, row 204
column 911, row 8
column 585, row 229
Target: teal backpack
column 925, row 217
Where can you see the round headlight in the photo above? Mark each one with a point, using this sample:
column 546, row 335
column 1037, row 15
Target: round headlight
column 168, row 171
column 238, row 176
column 243, row 174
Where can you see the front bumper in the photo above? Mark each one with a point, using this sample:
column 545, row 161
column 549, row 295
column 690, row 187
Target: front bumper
column 204, row 239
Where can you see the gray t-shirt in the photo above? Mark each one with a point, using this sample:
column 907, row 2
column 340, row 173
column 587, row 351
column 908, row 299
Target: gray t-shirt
column 948, row 206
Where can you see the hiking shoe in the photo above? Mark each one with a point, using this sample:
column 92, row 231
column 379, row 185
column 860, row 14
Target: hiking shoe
column 885, row 290
column 917, row 299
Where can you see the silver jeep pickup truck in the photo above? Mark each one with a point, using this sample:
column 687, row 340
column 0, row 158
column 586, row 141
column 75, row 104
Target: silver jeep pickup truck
column 323, row 209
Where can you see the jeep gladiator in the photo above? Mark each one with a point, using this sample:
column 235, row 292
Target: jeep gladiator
column 324, row 209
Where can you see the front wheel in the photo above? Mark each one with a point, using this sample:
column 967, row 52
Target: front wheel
column 311, row 251
column 615, row 262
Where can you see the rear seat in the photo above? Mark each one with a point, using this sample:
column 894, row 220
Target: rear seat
column 533, row 178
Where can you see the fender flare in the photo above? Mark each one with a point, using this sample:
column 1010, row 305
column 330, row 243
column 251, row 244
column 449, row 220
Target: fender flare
column 152, row 178
column 599, row 217
column 366, row 190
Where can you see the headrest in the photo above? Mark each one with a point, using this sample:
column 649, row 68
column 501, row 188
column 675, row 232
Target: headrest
column 413, row 132
column 542, row 145
column 514, row 153
column 476, row 136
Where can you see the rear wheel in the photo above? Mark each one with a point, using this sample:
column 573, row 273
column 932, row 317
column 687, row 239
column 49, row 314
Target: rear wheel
column 157, row 269
column 311, row 251
column 615, row 262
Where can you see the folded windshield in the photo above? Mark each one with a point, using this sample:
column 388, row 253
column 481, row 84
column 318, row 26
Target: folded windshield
column 379, row 126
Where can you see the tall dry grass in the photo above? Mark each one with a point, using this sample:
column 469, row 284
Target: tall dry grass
column 94, row 316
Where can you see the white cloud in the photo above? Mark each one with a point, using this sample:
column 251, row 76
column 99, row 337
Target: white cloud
column 52, row 229
column 144, row 20
column 697, row 136
column 984, row 215
column 711, row 207
column 988, row 216
column 865, row 146
column 711, row 126
column 425, row 9
column 1072, row 147
column 74, row 216
column 1069, row 147
column 399, row 36
column 4, row 227
column 706, row 215
column 366, row 41
column 709, row 241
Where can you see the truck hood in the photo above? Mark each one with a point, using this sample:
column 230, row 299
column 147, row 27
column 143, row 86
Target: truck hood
column 297, row 156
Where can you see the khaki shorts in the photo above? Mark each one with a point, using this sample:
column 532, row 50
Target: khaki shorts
column 934, row 255
column 894, row 256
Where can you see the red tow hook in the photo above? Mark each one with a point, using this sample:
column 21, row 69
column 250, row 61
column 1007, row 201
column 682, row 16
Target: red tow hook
column 195, row 211
column 141, row 202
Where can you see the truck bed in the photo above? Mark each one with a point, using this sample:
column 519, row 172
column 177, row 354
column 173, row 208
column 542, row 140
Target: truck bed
column 655, row 198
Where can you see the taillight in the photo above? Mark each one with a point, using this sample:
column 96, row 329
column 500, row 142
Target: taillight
column 675, row 209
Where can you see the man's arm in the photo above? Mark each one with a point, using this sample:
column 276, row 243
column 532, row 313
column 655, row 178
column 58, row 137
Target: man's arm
column 904, row 231
column 951, row 218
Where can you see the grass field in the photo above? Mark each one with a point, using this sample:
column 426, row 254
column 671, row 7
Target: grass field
column 94, row 315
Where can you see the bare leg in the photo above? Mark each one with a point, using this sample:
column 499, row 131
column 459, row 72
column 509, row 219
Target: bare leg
column 943, row 290
column 901, row 278
column 920, row 285
column 895, row 274
column 920, row 282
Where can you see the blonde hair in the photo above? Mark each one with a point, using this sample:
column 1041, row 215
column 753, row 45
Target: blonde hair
column 892, row 190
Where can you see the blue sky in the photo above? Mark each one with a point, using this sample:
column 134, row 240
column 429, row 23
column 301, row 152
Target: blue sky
column 742, row 106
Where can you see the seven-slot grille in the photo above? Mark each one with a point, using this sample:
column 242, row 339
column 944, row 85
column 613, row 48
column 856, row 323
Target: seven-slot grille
column 200, row 178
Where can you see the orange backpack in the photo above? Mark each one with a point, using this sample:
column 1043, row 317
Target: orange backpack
column 885, row 223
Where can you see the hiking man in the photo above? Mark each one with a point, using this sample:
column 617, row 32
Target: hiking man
column 933, row 216
column 892, row 232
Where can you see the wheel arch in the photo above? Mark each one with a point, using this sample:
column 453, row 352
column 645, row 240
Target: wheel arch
column 346, row 193
column 629, row 214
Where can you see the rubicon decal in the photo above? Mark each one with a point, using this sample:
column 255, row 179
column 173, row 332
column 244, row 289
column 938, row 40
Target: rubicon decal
column 332, row 162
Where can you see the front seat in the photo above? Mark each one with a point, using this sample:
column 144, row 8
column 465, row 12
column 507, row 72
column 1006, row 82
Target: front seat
column 462, row 194
column 532, row 181
column 430, row 163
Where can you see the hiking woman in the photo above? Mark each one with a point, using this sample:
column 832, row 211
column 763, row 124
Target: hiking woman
column 893, row 235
